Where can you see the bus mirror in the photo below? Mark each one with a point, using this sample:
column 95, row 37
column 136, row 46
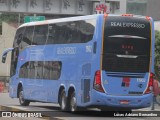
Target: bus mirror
column 4, row 54
column 4, row 58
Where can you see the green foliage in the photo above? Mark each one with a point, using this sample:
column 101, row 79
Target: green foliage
column 10, row 18
column 157, row 53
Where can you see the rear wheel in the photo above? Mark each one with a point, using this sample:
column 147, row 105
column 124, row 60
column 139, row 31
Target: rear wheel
column 63, row 100
column 22, row 101
column 73, row 102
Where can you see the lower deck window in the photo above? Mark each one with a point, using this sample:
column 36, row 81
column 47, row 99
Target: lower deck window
column 50, row 70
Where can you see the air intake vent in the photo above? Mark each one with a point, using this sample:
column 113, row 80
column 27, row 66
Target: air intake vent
column 135, row 93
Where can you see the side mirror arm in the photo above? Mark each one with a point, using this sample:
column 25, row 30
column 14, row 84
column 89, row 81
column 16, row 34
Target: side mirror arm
column 4, row 54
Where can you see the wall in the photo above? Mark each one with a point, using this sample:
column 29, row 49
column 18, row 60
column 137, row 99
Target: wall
column 71, row 7
column 113, row 6
column 6, row 41
column 153, row 7
column 157, row 25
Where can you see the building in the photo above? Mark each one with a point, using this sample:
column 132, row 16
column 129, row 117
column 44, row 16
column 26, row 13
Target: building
column 137, row 7
column 157, row 25
column 144, row 7
column 81, row 7
column 6, row 41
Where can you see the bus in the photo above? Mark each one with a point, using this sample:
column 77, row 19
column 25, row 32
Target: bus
column 99, row 61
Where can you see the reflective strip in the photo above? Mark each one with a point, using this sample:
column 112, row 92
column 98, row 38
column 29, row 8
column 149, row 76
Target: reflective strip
column 127, row 36
column 127, row 56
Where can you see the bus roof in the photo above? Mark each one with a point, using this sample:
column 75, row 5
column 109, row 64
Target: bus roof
column 67, row 19
column 60, row 20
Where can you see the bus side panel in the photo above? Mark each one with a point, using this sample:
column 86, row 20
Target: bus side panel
column 87, row 79
column 13, row 84
column 14, row 80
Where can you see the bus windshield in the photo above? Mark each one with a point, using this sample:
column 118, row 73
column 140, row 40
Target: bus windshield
column 126, row 46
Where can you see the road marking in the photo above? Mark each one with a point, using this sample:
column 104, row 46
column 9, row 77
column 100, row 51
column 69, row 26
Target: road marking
column 17, row 107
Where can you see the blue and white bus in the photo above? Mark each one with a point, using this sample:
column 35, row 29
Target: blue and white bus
column 103, row 61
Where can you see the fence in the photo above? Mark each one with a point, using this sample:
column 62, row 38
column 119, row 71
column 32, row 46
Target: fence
column 4, row 83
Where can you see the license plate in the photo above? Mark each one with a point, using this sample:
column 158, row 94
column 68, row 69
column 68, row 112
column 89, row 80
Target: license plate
column 124, row 102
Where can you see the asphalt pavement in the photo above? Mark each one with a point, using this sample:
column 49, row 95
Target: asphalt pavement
column 53, row 111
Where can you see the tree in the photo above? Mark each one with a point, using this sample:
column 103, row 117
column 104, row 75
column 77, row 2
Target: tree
column 10, row 18
column 157, row 54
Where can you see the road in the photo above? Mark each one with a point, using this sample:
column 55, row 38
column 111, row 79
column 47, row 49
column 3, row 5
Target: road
column 53, row 110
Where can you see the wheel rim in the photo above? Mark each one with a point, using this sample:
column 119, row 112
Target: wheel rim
column 73, row 103
column 21, row 98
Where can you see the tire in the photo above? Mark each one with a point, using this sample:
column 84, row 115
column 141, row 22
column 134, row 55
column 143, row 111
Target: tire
column 73, row 102
column 63, row 100
column 22, row 101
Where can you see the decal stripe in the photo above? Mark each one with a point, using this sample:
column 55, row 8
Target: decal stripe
column 105, row 17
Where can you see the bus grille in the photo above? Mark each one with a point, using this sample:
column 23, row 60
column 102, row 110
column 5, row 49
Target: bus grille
column 135, row 93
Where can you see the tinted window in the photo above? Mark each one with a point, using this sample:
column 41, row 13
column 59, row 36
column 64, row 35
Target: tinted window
column 31, row 73
column 15, row 52
column 71, row 32
column 24, row 71
column 18, row 37
column 50, row 70
column 28, row 36
column 14, row 60
column 127, row 34
column 40, row 34
column 39, row 70
column 126, row 44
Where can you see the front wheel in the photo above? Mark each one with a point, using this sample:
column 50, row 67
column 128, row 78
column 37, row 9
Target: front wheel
column 22, row 101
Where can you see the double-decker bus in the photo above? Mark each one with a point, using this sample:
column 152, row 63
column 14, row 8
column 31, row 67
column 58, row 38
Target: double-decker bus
column 103, row 61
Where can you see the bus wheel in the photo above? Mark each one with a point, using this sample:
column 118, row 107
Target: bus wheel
column 73, row 102
column 22, row 101
column 63, row 100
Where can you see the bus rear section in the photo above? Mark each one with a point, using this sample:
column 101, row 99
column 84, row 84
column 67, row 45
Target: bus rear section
column 125, row 78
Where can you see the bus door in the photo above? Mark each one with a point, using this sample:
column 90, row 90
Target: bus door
column 14, row 72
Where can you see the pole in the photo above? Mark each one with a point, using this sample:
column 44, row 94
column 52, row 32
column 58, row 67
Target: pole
column 19, row 19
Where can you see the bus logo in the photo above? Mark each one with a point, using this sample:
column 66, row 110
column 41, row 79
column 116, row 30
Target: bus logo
column 89, row 48
column 126, row 82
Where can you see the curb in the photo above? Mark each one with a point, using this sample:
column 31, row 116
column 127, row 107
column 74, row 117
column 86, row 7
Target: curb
column 46, row 117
